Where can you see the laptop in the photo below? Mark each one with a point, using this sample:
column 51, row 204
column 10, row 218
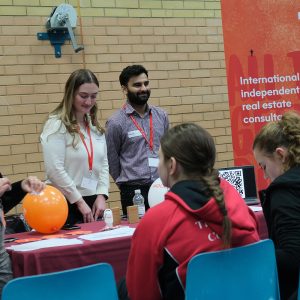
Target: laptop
column 243, row 179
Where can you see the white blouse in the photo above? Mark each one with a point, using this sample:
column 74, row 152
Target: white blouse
column 66, row 166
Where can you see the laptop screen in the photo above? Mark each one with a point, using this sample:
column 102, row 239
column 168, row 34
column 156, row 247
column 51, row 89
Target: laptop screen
column 243, row 179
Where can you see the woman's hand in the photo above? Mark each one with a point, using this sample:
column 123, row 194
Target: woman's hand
column 85, row 211
column 5, row 185
column 32, row 184
column 98, row 207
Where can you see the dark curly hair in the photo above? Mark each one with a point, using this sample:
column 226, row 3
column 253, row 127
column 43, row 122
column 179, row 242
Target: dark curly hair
column 131, row 71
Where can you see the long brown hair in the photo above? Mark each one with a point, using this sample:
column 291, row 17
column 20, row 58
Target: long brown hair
column 282, row 133
column 65, row 108
column 194, row 149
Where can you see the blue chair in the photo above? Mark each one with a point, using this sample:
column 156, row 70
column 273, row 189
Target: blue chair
column 247, row 272
column 90, row 282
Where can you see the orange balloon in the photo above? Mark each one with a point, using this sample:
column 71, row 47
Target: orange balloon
column 47, row 211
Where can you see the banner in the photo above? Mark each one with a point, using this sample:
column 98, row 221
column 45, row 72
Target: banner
column 262, row 54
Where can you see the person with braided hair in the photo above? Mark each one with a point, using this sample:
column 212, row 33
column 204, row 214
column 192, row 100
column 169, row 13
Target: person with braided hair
column 200, row 213
column 277, row 151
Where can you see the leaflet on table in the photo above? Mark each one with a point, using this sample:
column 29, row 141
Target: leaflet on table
column 115, row 233
column 56, row 242
column 256, row 208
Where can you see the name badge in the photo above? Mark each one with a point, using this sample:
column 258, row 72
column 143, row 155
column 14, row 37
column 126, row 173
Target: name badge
column 153, row 162
column 89, row 183
column 134, row 133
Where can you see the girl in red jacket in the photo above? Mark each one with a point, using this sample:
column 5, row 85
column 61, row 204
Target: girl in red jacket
column 200, row 213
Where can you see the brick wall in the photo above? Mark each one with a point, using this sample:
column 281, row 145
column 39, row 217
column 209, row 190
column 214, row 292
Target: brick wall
column 179, row 42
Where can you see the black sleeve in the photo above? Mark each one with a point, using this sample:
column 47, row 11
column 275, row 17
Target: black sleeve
column 11, row 198
column 285, row 220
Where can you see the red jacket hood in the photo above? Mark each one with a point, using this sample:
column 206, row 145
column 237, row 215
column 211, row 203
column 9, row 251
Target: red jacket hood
column 242, row 217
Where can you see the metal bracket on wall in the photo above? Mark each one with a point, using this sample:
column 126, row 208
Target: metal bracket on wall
column 57, row 38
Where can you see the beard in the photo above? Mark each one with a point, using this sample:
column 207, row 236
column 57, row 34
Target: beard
column 138, row 98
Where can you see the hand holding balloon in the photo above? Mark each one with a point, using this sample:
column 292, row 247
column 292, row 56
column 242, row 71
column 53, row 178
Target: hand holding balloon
column 32, row 184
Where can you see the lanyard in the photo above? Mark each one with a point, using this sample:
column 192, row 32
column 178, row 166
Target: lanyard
column 150, row 141
column 90, row 155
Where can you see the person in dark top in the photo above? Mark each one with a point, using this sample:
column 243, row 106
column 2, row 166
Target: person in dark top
column 200, row 213
column 12, row 194
column 277, row 151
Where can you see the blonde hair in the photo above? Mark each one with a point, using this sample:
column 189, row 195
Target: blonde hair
column 283, row 133
column 64, row 110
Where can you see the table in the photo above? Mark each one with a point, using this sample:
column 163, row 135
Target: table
column 113, row 251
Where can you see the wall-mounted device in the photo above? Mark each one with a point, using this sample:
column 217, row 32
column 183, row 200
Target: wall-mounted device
column 60, row 25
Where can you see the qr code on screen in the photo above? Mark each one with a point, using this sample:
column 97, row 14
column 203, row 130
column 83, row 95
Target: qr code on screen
column 234, row 177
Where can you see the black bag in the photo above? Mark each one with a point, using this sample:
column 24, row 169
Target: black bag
column 16, row 223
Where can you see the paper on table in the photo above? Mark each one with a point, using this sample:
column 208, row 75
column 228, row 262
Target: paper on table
column 256, row 208
column 109, row 234
column 45, row 244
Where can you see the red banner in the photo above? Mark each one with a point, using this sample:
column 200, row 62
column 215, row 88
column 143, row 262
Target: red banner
column 262, row 53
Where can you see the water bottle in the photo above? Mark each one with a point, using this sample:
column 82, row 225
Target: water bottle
column 138, row 200
column 26, row 226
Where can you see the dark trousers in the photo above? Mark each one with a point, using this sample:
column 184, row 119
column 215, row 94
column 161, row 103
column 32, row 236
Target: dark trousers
column 74, row 215
column 122, row 290
column 127, row 193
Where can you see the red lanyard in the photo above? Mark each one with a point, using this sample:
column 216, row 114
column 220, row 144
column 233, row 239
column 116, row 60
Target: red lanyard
column 150, row 141
column 90, row 155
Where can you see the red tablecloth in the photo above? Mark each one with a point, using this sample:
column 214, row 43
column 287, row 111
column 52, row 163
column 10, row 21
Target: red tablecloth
column 113, row 251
